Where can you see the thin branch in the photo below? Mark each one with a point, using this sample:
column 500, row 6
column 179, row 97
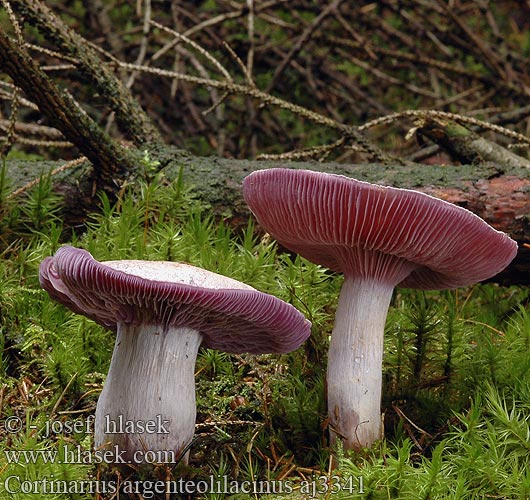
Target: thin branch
column 196, row 46
column 64, row 113
column 7, row 96
column 10, row 137
column 235, row 88
column 143, row 44
column 465, row 145
column 53, row 53
column 250, row 30
column 306, row 35
column 62, row 168
column 42, row 143
column 430, row 113
column 240, row 63
column 221, row 18
column 33, row 129
column 130, row 116
column 13, row 20
column 141, row 55
column 252, row 137
column 322, row 151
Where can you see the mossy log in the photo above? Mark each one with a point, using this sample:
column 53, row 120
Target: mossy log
column 499, row 195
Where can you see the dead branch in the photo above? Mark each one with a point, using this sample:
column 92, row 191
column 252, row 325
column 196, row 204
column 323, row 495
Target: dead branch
column 465, row 145
column 63, row 113
column 130, row 116
column 246, row 90
column 498, row 194
column 297, row 47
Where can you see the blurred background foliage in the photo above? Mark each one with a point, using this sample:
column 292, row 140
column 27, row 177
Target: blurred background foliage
column 351, row 61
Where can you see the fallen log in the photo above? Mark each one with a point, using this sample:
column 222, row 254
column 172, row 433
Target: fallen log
column 466, row 146
column 499, row 195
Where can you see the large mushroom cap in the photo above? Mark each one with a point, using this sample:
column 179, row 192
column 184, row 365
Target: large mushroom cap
column 342, row 223
column 230, row 315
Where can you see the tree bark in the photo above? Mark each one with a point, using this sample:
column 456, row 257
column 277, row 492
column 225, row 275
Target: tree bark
column 499, row 195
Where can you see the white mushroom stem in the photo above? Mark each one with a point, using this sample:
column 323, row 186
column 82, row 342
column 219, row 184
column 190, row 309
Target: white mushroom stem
column 146, row 411
column 354, row 376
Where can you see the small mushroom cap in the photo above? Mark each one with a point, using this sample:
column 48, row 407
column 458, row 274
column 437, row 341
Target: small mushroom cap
column 230, row 315
column 362, row 229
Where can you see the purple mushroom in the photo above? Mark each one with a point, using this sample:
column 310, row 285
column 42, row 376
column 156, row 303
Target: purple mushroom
column 162, row 312
column 379, row 238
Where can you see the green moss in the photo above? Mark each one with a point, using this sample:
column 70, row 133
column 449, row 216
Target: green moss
column 456, row 365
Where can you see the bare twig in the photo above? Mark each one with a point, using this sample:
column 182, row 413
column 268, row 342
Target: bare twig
column 451, row 116
column 34, row 182
column 10, row 136
column 129, row 114
column 321, row 151
column 13, row 20
column 64, row 113
column 346, row 130
column 194, row 45
column 297, row 47
column 33, row 129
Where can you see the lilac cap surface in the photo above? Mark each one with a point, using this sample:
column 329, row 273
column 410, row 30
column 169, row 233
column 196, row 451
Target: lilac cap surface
column 230, row 315
column 362, row 229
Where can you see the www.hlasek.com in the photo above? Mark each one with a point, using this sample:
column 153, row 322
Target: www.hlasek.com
column 65, row 454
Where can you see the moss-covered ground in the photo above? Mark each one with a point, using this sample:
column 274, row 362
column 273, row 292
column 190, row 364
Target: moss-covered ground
column 456, row 373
